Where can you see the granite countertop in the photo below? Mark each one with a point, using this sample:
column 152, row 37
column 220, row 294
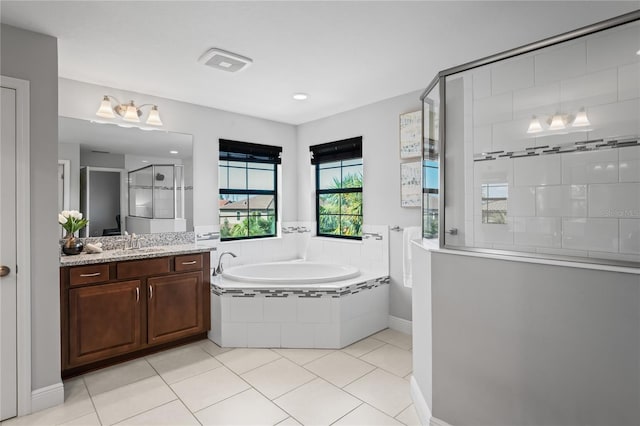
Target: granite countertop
column 132, row 254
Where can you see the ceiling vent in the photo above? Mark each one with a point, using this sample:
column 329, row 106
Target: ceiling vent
column 225, row 61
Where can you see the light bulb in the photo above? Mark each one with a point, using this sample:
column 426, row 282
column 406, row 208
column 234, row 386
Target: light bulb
column 581, row 119
column 131, row 113
column 300, row 96
column 534, row 126
column 154, row 117
column 105, row 110
column 557, row 122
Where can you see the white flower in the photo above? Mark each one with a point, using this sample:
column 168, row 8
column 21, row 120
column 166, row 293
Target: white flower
column 61, row 219
column 65, row 213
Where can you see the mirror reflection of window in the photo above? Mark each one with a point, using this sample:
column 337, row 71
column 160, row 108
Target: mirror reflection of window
column 494, row 203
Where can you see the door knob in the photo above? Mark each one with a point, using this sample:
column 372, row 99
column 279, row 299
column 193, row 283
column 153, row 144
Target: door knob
column 4, row 270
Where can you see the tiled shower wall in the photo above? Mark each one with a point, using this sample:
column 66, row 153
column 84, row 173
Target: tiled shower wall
column 577, row 203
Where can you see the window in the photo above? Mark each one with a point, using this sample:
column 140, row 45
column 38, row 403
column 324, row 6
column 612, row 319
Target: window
column 338, row 167
column 248, row 182
column 494, row 202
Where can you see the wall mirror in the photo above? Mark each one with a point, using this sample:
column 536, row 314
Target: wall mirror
column 125, row 178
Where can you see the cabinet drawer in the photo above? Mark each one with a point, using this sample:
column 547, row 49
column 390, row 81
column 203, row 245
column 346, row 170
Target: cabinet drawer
column 191, row 262
column 89, row 274
column 139, row 268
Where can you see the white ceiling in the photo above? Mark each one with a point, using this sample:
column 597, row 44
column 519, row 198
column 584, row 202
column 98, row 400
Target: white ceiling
column 344, row 54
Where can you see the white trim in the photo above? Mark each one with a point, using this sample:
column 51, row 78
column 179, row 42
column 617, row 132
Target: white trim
column 420, row 403
column 47, row 396
column 437, row 422
column 400, row 324
column 66, row 167
column 23, row 237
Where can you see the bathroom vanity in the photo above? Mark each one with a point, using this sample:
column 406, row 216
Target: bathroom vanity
column 120, row 304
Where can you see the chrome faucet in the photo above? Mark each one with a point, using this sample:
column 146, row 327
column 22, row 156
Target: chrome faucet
column 220, row 269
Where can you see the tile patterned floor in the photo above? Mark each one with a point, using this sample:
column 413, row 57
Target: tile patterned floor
column 364, row 384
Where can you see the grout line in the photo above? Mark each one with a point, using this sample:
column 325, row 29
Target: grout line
column 347, row 413
column 91, row 399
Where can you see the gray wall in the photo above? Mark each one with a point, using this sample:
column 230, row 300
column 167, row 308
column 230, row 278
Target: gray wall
column 71, row 152
column 98, row 159
column 34, row 57
column 378, row 124
column 104, row 199
column 517, row 343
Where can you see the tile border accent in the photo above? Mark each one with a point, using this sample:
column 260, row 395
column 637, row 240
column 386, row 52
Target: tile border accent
column 300, row 292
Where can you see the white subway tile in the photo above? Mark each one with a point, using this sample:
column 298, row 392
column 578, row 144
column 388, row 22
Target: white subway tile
column 482, row 139
column 539, row 170
column 615, row 119
column 613, row 47
column 494, row 171
column 280, row 309
column 561, row 200
column 541, row 100
column 566, row 61
column 327, row 336
column 617, row 200
column 492, row 233
column 314, row 310
column 590, row 234
column 522, row 201
column 629, row 164
column 234, row 335
column 629, row 82
column 261, row 335
column 590, row 89
column 590, row 167
column 562, row 252
column 512, row 136
column 493, row 110
column 297, row 335
column 538, row 231
column 481, row 82
column 245, row 309
column 512, row 74
column 630, row 236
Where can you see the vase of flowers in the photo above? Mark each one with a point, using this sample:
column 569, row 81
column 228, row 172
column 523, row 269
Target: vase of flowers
column 72, row 221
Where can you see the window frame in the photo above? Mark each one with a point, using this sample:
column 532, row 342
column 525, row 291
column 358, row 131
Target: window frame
column 253, row 153
column 337, row 152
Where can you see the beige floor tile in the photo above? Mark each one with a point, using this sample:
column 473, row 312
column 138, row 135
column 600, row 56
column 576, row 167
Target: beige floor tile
column 391, row 358
column 339, row 368
column 77, row 403
column 303, row 356
column 409, row 416
column 367, row 415
column 117, row 376
column 246, row 408
column 127, row 401
column 211, row 347
column 383, row 391
column 173, row 413
column 181, row 363
column 395, row 338
column 206, row 389
column 317, row 403
column 244, row 359
column 289, row 421
column 277, row 377
column 362, row 347
column 87, row 420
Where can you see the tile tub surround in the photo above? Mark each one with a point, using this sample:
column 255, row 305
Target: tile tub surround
column 328, row 315
column 123, row 255
column 202, row 383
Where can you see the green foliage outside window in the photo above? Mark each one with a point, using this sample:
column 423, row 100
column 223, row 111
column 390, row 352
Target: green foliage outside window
column 340, row 213
column 255, row 225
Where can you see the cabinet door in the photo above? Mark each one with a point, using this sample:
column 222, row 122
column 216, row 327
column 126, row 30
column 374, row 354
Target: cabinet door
column 104, row 320
column 175, row 307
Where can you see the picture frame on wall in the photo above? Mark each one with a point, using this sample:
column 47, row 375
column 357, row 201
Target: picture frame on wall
column 411, row 184
column 411, row 134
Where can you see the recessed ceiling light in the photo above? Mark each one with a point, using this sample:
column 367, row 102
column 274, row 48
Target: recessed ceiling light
column 173, row 152
column 638, row 52
column 300, row 96
column 145, row 161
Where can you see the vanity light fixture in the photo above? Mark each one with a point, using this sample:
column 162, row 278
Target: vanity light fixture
column 581, row 119
column 129, row 111
column 300, row 96
column 535, row 126
column 557, row 122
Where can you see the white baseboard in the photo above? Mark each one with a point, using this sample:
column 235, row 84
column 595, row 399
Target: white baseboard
column 422, row 408
column 46, row 397
column 399, row 324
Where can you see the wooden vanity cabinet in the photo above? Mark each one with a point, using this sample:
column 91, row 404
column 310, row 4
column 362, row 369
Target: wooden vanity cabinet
column 137, row 307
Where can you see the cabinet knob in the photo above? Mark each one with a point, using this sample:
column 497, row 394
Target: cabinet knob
column 4, row 271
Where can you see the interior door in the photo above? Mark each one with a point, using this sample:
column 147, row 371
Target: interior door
column 8, row 362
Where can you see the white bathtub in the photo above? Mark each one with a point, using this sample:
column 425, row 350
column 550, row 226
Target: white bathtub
column 296, row 272
column 297, row 304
